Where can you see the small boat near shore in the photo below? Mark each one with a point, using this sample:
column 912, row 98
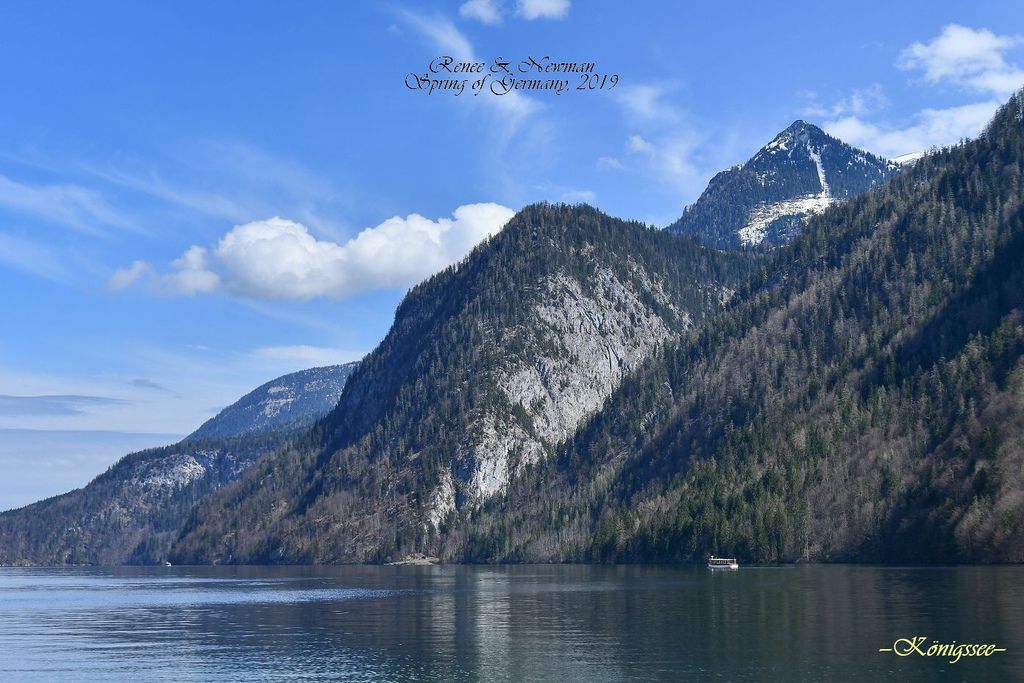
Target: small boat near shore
column 723, row 563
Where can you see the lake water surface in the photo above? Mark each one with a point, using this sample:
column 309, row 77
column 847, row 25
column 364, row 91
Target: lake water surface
column 507, row 623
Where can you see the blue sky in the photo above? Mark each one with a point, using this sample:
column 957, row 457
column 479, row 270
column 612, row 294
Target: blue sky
column 198, row 197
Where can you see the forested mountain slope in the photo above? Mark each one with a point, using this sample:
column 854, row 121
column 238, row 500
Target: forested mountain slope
column 488, row 366
column 862, row 401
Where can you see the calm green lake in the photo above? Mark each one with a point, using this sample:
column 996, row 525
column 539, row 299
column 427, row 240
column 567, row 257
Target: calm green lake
column 506, row 623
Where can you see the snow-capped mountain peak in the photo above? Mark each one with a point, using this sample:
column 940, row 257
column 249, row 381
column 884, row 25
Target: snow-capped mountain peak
column 767, row 199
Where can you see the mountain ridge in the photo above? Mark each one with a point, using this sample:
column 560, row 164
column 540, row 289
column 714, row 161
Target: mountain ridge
column 284, row 403
column 862, row 402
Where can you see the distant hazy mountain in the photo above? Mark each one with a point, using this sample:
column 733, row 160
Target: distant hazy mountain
column 287, row 402
column 768, row 199
column 132, row 512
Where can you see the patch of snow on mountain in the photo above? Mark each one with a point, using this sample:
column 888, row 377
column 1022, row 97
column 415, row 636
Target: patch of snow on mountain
column 816, row 158
column 763, row 215
column 173, row 472
column 908, row 158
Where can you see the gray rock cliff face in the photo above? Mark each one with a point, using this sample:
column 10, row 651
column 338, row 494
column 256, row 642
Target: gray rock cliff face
column 582, row 342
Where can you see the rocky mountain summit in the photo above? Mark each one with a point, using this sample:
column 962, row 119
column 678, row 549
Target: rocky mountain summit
column 767, row 199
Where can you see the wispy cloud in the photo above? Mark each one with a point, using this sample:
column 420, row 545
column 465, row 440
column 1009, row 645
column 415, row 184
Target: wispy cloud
column 671, row 159
column 929, row 128
column 31, row 256
column 280, row 259
column 310, row 356
column 859, row 102
column 441, row 34
column 647, row 102
column 638, row 145
column 576, row 196
column 69, row 206
column 665, row 146
column 149, row 385
column 239, row 182
column 68, row 404
column 542, row 9
column 150, row 182
column 493, row 11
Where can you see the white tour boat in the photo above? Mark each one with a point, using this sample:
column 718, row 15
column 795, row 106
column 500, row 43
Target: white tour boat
column 723, row 563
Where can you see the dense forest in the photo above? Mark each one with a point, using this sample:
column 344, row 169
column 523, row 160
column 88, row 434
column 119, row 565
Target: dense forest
column 863, row 400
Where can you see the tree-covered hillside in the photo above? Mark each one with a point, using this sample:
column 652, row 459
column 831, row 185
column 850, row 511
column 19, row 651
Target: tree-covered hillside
column 862, row 401
column 488, row 366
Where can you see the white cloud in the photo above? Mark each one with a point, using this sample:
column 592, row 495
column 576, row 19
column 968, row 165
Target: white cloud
column 931, row 128
column 126, row 277
column 971, row 58
column 609, row 163
column 640, row 146
column 280, row 259
column 646, row 102
column 486, row 11
column 576, row 196
column 192, row 274
column 542, row 9
column 310, row 356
